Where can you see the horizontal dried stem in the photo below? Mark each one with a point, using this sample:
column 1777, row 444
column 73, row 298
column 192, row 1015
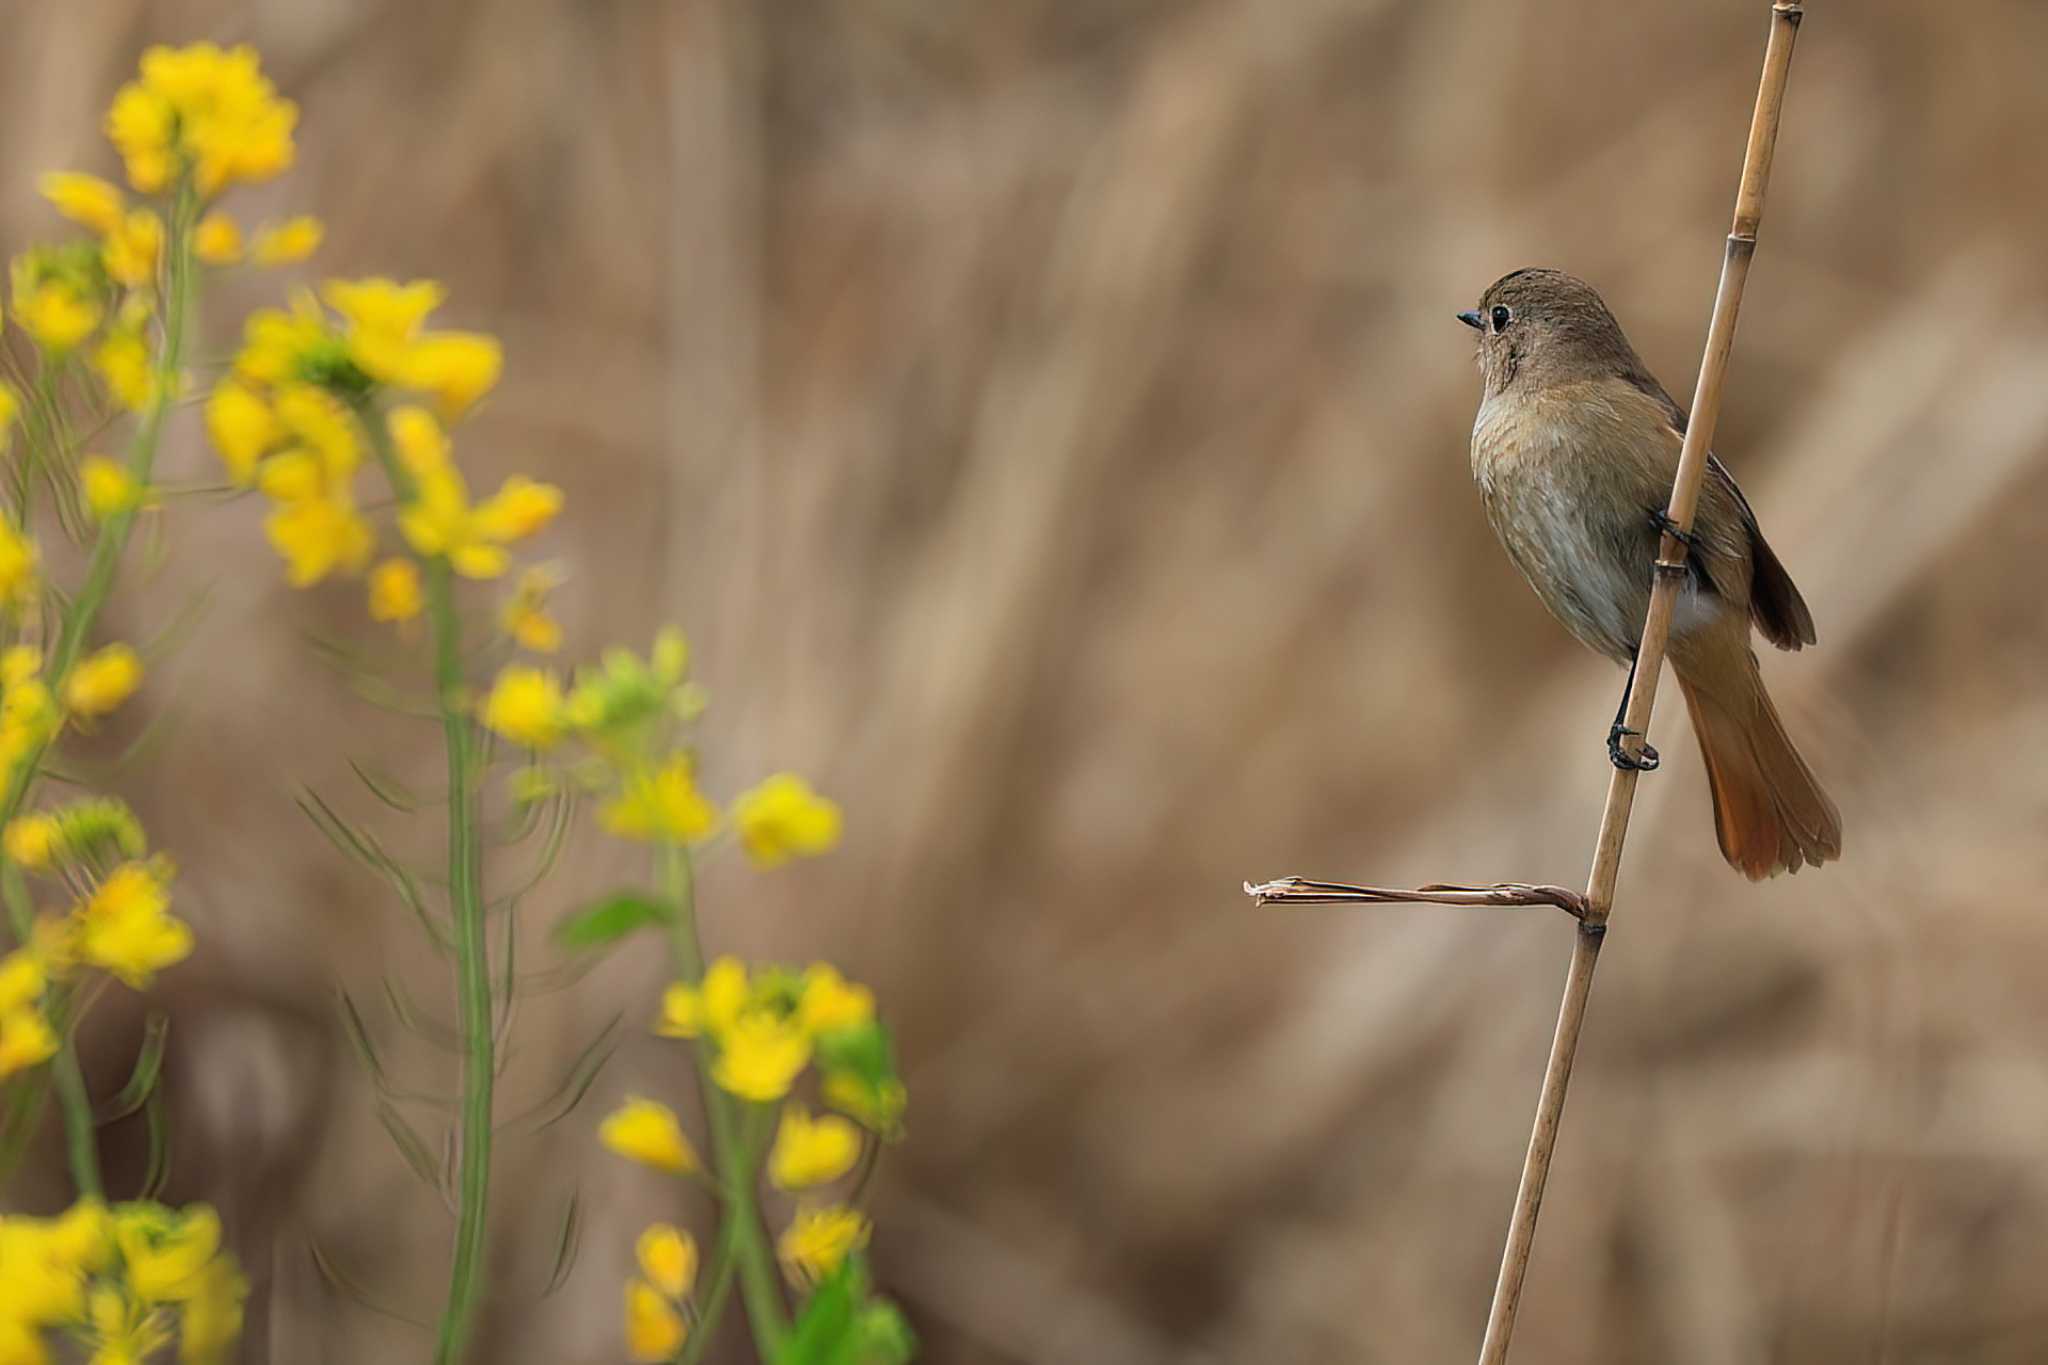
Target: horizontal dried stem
column 1304, row 891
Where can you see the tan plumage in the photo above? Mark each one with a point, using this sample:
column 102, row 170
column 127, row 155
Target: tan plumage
column 1574, row 450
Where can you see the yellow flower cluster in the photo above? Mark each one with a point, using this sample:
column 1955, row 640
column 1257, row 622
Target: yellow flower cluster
column 203, row 111
column 438, row 519
column 123, row 923
column 287, row 421
column 652, row 796
column 20, row 564
column 120, row 1283
column 59, row 295
column 655, row 1326
column 26, row 1038
column 766, row 1025
column 28, row 713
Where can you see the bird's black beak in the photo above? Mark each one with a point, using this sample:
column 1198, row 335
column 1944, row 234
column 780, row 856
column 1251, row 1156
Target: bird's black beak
column 1470, row 317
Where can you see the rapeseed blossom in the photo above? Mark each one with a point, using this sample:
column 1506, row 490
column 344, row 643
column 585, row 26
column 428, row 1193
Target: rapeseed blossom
column 204, row 111
column 820, row 1239
column 648, row 1132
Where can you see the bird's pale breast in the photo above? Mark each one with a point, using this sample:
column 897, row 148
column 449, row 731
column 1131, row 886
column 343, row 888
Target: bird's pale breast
column 1569, row 476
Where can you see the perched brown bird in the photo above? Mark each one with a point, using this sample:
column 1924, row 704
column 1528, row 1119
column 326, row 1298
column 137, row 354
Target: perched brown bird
column 1574, row 450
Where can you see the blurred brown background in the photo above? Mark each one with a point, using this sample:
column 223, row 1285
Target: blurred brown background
column 1048, row 420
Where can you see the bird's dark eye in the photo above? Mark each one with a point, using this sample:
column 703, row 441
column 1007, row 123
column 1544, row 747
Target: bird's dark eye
column 1501, row 318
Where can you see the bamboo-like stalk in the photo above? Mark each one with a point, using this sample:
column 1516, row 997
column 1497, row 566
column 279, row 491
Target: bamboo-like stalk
column 1593, row 908
column 1621, row 788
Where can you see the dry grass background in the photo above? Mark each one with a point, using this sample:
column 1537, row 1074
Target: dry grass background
column 1048, row 420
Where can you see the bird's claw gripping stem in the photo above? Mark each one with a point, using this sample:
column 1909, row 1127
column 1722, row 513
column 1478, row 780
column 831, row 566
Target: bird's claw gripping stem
column 1661, row 521
column 1645, row 761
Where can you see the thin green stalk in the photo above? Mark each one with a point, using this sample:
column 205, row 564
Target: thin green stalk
column 81, row 1137
column 719, row 1276
column 466, row 1276
column 732, row 1148
column 81, row 1141
column 473, row 972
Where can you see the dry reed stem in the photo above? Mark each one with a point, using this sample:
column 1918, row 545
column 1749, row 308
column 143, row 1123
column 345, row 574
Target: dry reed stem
column 1692, row 464
column 1304, row 891
column 1594, row 907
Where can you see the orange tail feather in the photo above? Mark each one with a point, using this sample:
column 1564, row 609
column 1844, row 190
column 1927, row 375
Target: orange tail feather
column 1770, row 813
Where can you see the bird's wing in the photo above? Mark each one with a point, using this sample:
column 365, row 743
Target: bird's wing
column 1774, row 601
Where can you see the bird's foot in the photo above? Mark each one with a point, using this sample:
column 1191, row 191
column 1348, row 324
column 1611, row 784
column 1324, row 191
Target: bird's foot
column 1661, row 521
column 1643, row 761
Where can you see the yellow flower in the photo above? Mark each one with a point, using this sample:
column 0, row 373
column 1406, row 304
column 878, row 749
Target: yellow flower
column 102, row 680
column 662, row 805
column 28, row 718
column 395, row 591
column 122, row 1332
column 655, row 1331
column 458, row 368
column 204, row 109
column 212, row 1319
column 85, row 199
column 713, row 1006
column 109, row 488
column 37, row 1286
column 383, row 318
column 783, row 818
column 520, row 508
column 819, row 1240
column 421, row 444
column 524, row 616
column 318, row 535
column 18, row 561
column 26, row 1040
column 134, row 247
column 438, row 521
column 55, row 314
column 242, row 427
column 19, row 663
column 218, row 239
column 668, row 1258
column 832, row 1004
column 10, row 408
column 166, row 1251
column 811, row 1151
column 322, row 425
column 292, row 476
column 124, row 363
column 647, row 1131
column 276, row 344
column 287, row 243
column 525, row 706
column 82, row 1236
column 21, row 977
column 760, row 1056
column 30, row 841
column 125, row 926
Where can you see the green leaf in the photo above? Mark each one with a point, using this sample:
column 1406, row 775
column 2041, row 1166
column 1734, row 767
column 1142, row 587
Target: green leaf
column 842, row 1324
column 611, row 919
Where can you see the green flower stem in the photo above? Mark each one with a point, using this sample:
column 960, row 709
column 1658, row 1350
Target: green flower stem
column 81, row 1137
column 473, row 970
column 81, row 1143
column 733, row 1149
column 719, row 1276
column 466, row 1276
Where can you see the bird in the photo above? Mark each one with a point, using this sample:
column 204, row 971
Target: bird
column 1574, row 450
